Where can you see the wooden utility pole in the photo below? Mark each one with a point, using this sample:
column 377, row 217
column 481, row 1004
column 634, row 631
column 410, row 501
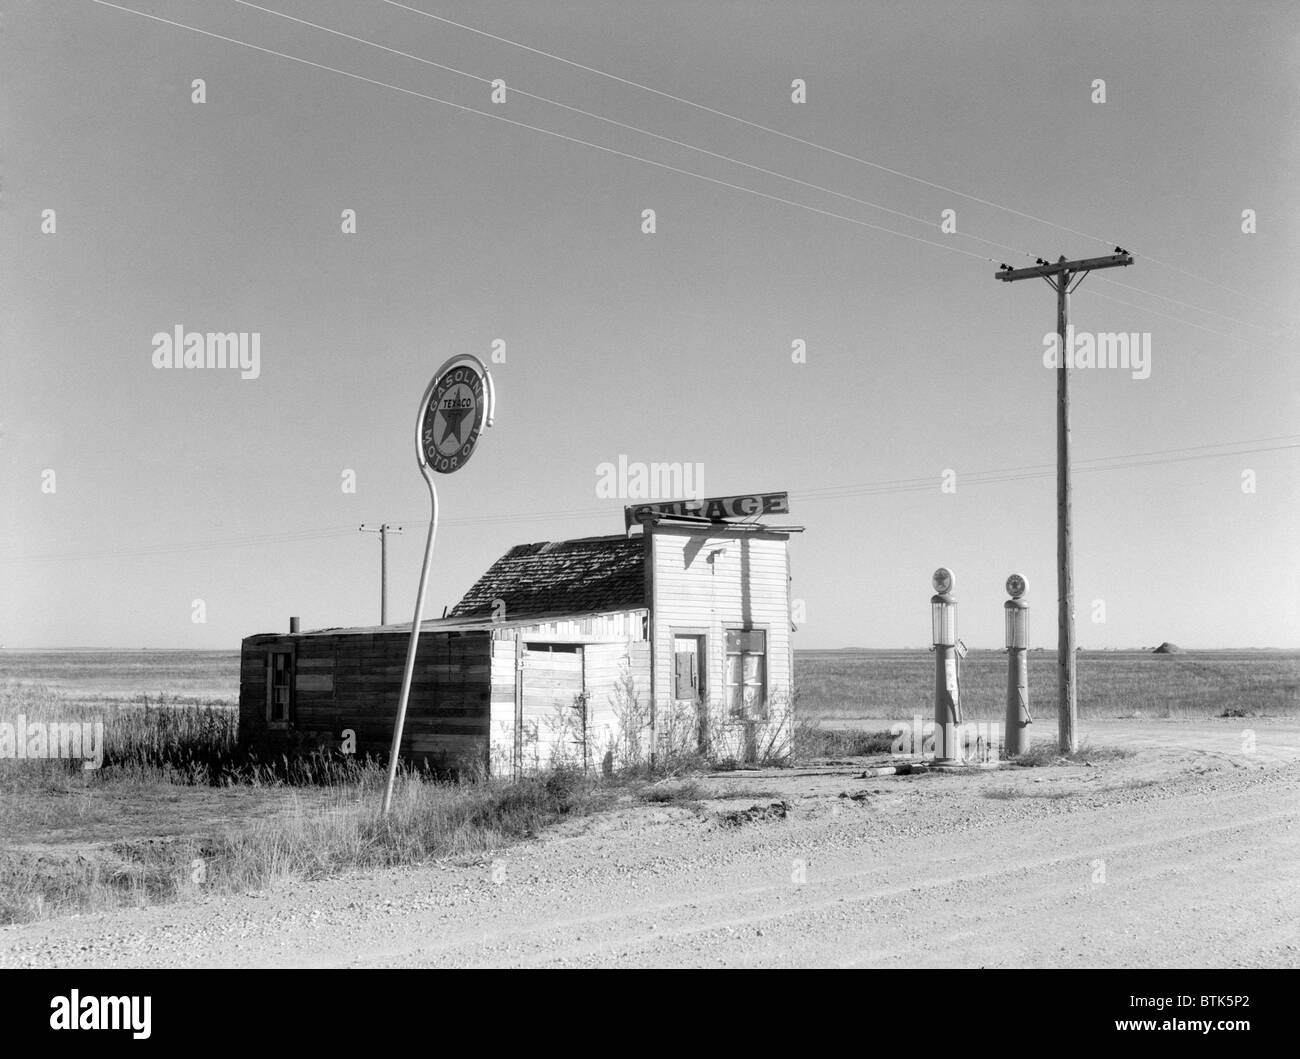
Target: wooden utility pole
column 383, row 530
column 1061, row 278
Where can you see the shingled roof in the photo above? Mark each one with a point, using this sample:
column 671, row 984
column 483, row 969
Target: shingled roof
column 562, row 577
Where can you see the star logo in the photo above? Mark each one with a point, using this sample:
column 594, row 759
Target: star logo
column 455, row 406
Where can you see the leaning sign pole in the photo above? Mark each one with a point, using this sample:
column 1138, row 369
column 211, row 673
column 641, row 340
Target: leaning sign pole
column 1061, row 277
column 458, row 404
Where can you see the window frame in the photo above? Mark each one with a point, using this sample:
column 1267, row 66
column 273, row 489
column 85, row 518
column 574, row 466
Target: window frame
column 748, row 711
column 290, row 652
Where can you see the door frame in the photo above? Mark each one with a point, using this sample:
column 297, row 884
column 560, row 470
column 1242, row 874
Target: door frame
column 703, row 697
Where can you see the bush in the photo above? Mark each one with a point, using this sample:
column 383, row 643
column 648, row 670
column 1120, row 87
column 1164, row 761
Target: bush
column 811, row 742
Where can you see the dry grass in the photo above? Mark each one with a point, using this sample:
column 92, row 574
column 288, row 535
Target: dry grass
column 814, row 741
column 305, row 838
column 680, row 791
column 164, row 738
column 1010, row 793
column 1047, row 753
column 153, row 822
column 175, row 811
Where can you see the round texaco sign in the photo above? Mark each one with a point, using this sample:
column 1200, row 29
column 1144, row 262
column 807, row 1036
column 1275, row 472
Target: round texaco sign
column 453, row 418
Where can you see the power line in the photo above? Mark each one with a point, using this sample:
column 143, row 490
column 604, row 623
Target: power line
column 263, row 540
column 718, row 155
column 807, row 143
column 613, row 151
column 1188, row 305
column 547, row 132
column 898, row 485
column 927, row 482
column 1014, row 475
column 633, row 128
column 1156, row 312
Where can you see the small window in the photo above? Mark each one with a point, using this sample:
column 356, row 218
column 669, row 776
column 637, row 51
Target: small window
column 747, row 674
column 279, row 687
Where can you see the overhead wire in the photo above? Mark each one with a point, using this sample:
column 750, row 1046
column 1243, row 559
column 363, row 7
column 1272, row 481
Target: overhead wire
column 631, row 128
column 809, row 143
column 545, row 132
column 718, row 155
column 839, row 492
column 624, row 154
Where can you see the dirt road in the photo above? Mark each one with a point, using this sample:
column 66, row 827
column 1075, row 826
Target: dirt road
column 1187, row 854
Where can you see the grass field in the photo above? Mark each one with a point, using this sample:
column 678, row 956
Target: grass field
column 837, row 686
column 174, row 809
column 119, row 677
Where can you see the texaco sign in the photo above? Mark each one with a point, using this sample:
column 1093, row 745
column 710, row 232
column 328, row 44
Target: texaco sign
column 453, row 417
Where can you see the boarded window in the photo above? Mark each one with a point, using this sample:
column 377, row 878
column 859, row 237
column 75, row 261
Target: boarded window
column 747, row 674
column 279, row 687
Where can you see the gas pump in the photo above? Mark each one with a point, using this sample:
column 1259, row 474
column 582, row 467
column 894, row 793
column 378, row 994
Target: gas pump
column 947, row 697
column 1016, row 738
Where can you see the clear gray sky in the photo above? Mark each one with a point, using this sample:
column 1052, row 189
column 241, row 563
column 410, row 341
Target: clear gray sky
column 172, row 486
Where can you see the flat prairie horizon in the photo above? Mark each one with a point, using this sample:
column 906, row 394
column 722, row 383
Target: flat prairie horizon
column 798, row 650
column 830, row 684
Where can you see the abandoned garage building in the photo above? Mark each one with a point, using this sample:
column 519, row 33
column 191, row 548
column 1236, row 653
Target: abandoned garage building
column 598, row 650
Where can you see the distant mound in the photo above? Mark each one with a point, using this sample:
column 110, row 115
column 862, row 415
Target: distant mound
column 1168, row 648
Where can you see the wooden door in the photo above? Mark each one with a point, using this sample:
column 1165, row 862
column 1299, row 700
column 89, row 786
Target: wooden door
column 689, row 681
column 553, row 705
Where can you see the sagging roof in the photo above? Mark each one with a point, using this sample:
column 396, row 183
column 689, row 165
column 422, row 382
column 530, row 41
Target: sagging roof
column 561, row 577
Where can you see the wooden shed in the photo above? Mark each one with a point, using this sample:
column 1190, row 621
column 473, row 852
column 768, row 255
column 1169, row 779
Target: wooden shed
column 596, row 650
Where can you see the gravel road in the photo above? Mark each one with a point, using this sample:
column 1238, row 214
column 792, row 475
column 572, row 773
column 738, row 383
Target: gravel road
column 1186, row 854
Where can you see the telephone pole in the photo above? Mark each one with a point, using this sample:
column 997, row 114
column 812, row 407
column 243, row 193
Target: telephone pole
column 383, row 530
column 1061, row 277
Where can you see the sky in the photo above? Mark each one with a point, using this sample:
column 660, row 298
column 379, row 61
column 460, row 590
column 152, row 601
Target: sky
column 919, row 431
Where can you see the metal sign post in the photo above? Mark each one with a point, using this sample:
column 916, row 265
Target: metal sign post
column 458, row 404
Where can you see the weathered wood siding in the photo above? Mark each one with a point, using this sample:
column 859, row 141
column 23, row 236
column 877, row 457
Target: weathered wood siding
column 553, row 730
column 252, row 683
column 618, row 693
column 552, row 716
column 706, row 583
column 502, row 749
column 353, row 681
